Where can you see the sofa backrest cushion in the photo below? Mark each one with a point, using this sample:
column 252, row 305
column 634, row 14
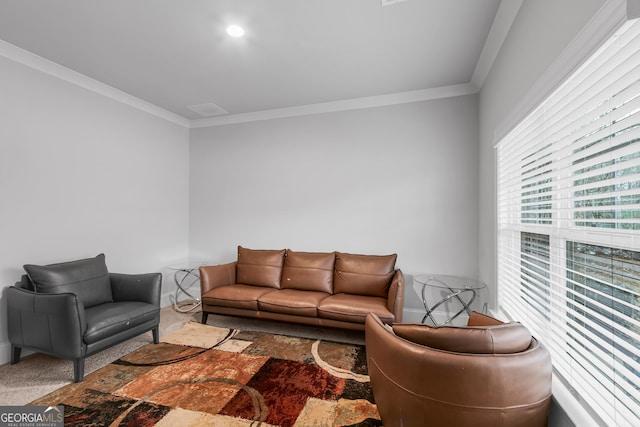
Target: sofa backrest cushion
column 368, row 275
column 505, row 338
column 259, row 267
column 87, row 278
column 309, row 271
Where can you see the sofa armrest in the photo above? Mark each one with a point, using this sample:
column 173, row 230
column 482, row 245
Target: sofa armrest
column 52, row 323
column 395, row 300
column 137, row 287
column 214, row 276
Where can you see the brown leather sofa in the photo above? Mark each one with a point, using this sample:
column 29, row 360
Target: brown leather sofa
column 331, row 289
column 488, row 374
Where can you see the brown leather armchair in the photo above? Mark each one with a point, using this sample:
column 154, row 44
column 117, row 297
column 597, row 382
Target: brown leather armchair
column 488, row 374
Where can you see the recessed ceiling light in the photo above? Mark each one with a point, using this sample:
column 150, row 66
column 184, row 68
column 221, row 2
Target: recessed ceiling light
column 235, row 31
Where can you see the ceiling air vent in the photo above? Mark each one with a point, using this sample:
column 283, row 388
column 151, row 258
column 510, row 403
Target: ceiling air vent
column 208, row 110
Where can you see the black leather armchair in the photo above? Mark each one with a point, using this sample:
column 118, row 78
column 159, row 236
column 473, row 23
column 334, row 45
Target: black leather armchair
column 76, row 309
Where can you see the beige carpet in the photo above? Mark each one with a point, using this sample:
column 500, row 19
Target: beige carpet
column 37, row 374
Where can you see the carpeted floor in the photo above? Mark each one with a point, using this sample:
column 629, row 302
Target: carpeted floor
column 37, row 374
column 207, row 375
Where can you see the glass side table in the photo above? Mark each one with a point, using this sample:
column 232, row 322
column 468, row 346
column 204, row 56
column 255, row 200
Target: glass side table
column 460, row 291
column 185, row 277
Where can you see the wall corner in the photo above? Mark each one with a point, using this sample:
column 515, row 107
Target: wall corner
column 633, row 9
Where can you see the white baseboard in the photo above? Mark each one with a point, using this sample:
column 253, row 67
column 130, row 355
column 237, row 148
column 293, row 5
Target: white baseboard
column 5, row 353
column 166, row 299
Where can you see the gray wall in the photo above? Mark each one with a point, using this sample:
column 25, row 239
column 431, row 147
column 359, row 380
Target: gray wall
column 380, row 180
column 82, row 174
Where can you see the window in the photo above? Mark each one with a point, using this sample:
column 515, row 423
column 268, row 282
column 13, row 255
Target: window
column 569, row 228
column 534, row 261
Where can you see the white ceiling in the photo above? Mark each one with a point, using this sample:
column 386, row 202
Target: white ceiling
column 175, row 53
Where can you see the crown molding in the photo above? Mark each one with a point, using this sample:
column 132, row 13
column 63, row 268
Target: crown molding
column 343, row 105
column 502, row 23
column 46, row 66
column 51, row 68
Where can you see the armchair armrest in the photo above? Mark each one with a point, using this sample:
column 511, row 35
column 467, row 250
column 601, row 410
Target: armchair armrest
column 214, row 276
column 52, row 323
column 395, row 300
column 137, row 287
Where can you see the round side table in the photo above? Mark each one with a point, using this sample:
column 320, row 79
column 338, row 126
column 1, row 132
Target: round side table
column 460, row 291
column 185, row 277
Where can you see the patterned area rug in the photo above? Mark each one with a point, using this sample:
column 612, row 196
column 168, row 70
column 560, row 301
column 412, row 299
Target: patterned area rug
column 207, row 376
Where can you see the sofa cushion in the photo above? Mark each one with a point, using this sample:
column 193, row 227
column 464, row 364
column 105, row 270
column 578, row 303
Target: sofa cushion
column 236, row 296
column 354, row 308
column 308, row 271
column 87, row 278
column 259, row 267
column 106, row 320
column 292, row 301
column 505, row 338
column 363, row 274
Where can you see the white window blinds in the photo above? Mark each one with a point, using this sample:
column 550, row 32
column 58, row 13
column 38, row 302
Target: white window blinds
column 569, row 227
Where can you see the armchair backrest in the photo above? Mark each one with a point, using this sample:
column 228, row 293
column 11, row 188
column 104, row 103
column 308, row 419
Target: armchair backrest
column 504, row 338
column 87, row 278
